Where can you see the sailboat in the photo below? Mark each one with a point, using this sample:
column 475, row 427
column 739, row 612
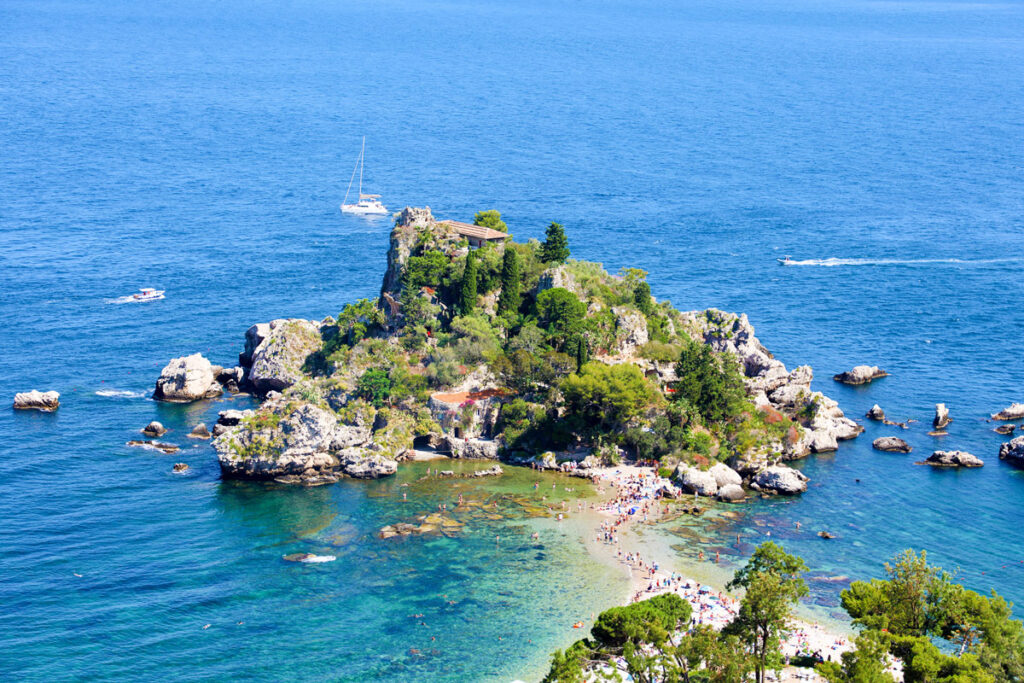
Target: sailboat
column 368, row 204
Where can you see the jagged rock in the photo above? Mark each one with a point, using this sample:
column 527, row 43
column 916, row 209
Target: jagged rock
column 725, row 475
column 1014, row 412
column 477, row 449
column 46, row 401
column 630, row 330
column 693, row 480
column 891, row 444
column 952, row 459
column 180, row 467
column 154, row 445
column 942, row 417
column 363, row 464
column 1013, row 451
column 254, row 336
column 277, row 361
column 731, row 493
column 199, row 432
column 558, row 276
column 780, row 479
column 219, row 429
column 230, row 418
column 1005, row 430
column 154, row 428
column 187, row 379
column 862, row 374
column 347, row 436
column 876, row 413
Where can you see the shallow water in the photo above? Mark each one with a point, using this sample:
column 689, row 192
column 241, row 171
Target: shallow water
column 204, row 149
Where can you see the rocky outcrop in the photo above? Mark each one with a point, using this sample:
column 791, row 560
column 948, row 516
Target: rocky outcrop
column 187, row 379
column 363, row 464
column 731, row 493
column 862, row 374
column 199, row 432
column 559, row 276
column 154, row 428
column 780, row 479
column 692, row 480
column 473, row 449
column 284, row 346
column 1013, row 451
column 230, row 418
column 891, row 444
column 725, row 475
column 46, row 401
column 876, row 413
column 1005, row 430
column 1014, row 412
column 630, row 330
column 403, row 240
column 952, row 459
column 179, row 467
column 942, row 418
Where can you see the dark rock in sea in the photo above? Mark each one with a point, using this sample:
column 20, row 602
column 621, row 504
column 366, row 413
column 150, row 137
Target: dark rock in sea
column 876, row 413
column 1013, row 451
column 199, row 432
column 952, row 459
column 46, row 401
column 862, row 374
column 187, row 379
column 826, row 534
column 180, row 467
column 156, row 445
column 1014, row 412
column 1005, row 430
column 891, row 444
column 942, row 418
column 154, row 428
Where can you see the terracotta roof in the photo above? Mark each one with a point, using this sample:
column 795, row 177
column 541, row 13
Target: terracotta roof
column 477, row 231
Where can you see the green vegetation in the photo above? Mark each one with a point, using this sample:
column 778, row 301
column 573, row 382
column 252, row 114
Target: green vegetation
column 711, row 383
column 375, row 387
column 467, row 289
column 605, row 397
column 511, row 283
column 490, row 219
column 556, row 245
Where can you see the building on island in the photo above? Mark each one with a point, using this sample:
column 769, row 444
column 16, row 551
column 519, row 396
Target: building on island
column 477, row 235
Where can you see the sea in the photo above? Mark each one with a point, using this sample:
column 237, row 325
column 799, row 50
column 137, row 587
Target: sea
column 204, row 148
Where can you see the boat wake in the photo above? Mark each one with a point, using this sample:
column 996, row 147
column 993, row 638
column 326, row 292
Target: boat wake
column 131, row 300
column 832, row 262
column 120, row 393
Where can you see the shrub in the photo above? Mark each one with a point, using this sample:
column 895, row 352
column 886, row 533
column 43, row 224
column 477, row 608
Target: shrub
column 375, row 386
column 602, row 395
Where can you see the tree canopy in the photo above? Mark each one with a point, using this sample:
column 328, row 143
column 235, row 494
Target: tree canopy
column 511, row 283
column 709, row 382
column 490, row 219
column 555, row 248
column 601, row 395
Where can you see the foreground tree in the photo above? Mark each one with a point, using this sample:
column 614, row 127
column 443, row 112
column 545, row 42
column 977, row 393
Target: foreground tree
column 490, row 219
column 773, row 587
column 555, row 248
column 511, row 284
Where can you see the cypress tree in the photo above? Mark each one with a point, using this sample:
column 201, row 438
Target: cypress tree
column 582, row 352
column 467, row 290
column 510, row 297
column 642, row 298
column 556, row 245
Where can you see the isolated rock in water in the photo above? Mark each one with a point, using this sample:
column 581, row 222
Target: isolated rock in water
column 725, row 475
column 363, row 464
column 476, row 449
column 180, row 467
column 876, row 413
column 1005, row 430
column 1014, row 412
column 952, row 459
column 780, row 479
column 862, row 374
column 277, row 361
column 199, row 432
column 693, row 480
column 47, row 401
column 942, row 417
column 492, row 471
column 891, row 444
column 187, row 379
column 731, row 493
column 1013, row 451
column 154, row 428
column 155, row 445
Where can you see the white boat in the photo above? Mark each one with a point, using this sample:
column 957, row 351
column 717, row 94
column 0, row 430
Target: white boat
column 785, row 261
column 148, row 294
column 368, row 204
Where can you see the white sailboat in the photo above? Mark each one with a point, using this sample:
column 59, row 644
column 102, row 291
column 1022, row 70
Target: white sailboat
column 368, row 204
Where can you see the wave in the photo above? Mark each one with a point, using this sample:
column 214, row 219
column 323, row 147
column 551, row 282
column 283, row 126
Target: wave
column 121, row 393
column 831, row 262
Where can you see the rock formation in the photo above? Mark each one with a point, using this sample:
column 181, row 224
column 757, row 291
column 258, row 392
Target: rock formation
column 1005, row 430
column 154, row 445
column 1014, row 412
column 154, row 428
column 187, row 379
column 780, row 479
column 891, row 444
column 180, row 467
column 1013, row 451
column 862, row 374
column 692, row 480
column 731, row 493
column 46, row 401
column 942, row 418
column 876, row 413
column 952, row 459
column 199, row 432
column 282, row 349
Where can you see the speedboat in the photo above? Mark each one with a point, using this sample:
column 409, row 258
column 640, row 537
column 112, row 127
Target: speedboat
column 148, row 294
column 368, row 204
column 785, row 261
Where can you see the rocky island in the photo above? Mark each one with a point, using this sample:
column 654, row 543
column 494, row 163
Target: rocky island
column 482, row 347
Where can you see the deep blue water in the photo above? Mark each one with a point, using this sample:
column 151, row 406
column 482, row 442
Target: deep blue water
column 204, row 148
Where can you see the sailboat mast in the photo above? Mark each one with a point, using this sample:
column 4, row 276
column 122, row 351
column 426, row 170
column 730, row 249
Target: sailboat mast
column 362, row 151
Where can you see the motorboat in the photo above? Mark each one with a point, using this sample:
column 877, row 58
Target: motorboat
column 368, row 204
column 785, row 261
column 148, row 294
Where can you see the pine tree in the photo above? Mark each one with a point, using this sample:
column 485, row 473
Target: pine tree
column 467, row 289
column 511, row 275
column 556, row 246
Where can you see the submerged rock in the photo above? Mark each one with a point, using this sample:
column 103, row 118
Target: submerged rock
column 46, row 401
column 187, row 379
column 891, row 444
column 199, row 432
column 942, row 418
column 155, row 445
column 1014, row 412
column 1005, row 430
column 876, row 413
column 862, row 374
column 154, row 428
column 780, row 479
column 180, row 467
column 1013, row 451
column 952, row 459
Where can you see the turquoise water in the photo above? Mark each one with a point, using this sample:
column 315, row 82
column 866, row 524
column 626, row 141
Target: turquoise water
column 204, row 149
